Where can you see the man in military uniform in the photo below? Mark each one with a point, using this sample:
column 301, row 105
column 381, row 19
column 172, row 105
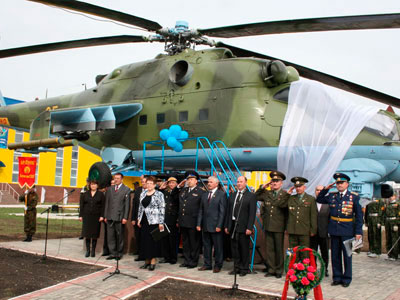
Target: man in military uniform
column 346, row 220
column 273, row 213
column 171, row 198
column 31, row 199
column 189, row 206
column 392, row 217
column 374, row 219
column 302, row 217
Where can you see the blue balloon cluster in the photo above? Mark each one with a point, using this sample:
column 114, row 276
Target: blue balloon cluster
column 172, row 135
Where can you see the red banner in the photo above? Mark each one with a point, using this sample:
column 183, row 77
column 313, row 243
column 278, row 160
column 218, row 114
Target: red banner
column 27, row 170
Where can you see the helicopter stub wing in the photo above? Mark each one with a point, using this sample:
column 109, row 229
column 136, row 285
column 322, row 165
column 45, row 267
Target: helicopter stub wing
column 82, row 119
column 327, row 79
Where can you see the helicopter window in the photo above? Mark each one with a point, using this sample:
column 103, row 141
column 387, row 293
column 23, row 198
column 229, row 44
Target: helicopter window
column 384, row 126
column 282, row 95
column 183, row 116
column 160, row 118
column 203, row 114
column 143, row 120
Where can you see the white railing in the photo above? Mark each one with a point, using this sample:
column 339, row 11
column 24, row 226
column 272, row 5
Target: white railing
column 8, row 188
column 1, row 196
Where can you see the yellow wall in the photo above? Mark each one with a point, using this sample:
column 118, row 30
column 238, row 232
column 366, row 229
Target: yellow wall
column 255, row 179
column 47, row 164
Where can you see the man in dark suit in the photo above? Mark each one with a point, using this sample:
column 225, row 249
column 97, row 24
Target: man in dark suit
column 211, row 219
column 168, row 243
column 321, row 239
column 189, row 205
column 116, row 214
column 345, row 223
column 135, row 209
column 239, row 221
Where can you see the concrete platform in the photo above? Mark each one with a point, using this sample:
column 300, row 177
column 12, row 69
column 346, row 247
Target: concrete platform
column 373, row 278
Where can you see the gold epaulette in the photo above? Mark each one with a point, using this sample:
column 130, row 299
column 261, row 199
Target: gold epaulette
column 354, row 193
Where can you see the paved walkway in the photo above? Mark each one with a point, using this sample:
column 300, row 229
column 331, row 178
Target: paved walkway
column 373, row 278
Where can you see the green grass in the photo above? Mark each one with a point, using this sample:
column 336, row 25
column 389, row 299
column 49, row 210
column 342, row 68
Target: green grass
column 12, row 227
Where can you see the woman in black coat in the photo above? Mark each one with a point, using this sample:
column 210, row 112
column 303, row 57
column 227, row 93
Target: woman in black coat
column 91, row 209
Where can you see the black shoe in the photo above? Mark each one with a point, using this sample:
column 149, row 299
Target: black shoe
column 145, row 266
column 172, row 262
column 28, row 239
column 345, row 284
column 326, row 273
column 80, row 238
column 191, row 266
column 335, row 283
column 110, row 257
column 152, row 267
column 164, row 261
column 105, row 254
column 243, row 273
column 278, row 275
column 183, row 265
column 93, row 252
column 204, row 268
column 233, row 272
column 87, row 253
column 269, row 275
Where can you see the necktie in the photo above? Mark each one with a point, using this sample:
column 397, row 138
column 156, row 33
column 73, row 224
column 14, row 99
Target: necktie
column 237, row 205
column 116, row 188
column 341, row 196
column 275, row 193
column 209, row 196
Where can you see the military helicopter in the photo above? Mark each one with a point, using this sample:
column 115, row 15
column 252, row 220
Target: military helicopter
column 224, row 92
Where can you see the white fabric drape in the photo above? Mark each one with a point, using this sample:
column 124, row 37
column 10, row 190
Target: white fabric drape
column 319, row 128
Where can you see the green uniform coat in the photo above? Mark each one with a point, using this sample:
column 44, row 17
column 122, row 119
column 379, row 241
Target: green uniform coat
column 392, row 217
column 273, row 211
column 374, row 218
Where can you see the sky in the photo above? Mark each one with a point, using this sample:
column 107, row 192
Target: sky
column 367, row 57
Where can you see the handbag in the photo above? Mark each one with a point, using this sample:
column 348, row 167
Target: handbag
column 158, row 235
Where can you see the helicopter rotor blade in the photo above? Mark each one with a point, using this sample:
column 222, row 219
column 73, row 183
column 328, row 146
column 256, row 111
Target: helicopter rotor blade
column 100, row 41
column 383, row 21
column 103, row 12
column 322, row 77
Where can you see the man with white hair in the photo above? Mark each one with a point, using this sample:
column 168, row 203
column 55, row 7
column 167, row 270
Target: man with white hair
column 211, row 219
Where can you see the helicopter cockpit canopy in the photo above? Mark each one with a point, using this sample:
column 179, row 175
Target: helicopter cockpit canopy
column 383, row 125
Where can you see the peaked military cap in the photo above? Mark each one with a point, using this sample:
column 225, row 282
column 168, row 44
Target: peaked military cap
column 341, row 177
column 172, row 179
column 276, row 175
column 191, row 174
column 299, row 181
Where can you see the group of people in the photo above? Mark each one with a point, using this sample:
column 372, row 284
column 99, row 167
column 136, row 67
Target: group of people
column 203, row 216
column 309, row 221
column 383, row 212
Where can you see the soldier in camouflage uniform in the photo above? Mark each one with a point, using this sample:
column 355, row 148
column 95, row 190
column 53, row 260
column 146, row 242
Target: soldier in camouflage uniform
column 392, row 217
column 31, row 199
column 374, row 219
column 274, row 216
